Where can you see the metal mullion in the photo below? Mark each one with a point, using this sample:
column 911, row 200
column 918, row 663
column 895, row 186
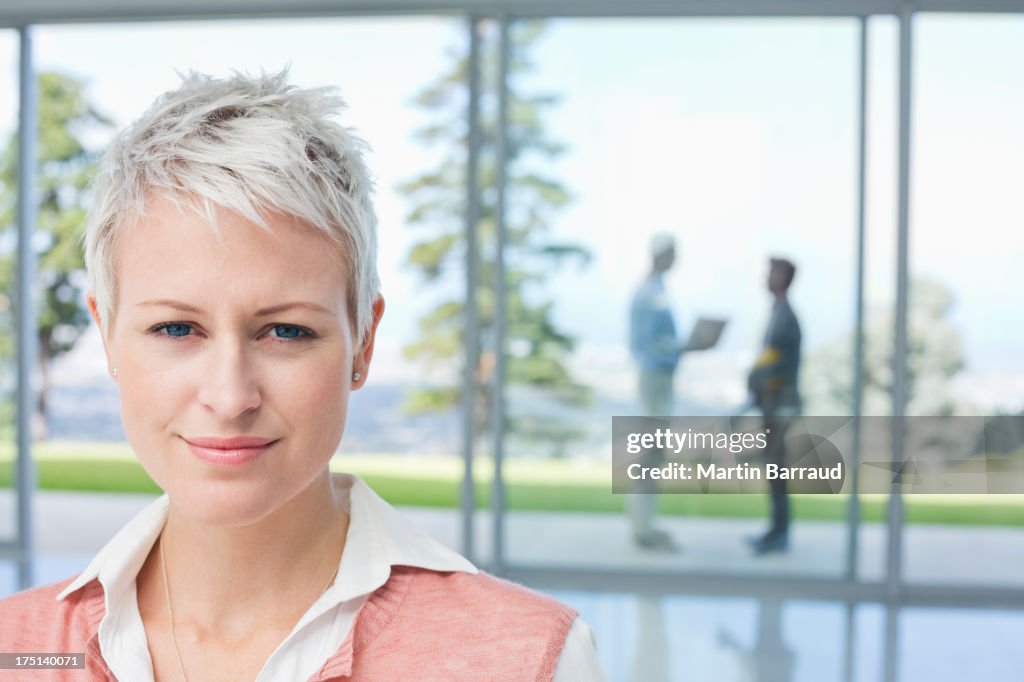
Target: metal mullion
column 900, row 340
column 894, row 578
column 25, row 314
column 853, row 508
column 498, row 400
column 109, row 11
column 471, row 334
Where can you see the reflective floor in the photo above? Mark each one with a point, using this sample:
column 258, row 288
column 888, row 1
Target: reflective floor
column 700, row 638
column 682, row 637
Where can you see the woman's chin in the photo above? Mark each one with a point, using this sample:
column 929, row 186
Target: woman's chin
column 225, row 503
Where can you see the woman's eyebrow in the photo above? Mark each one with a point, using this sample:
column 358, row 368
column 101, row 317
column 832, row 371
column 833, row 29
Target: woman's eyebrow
column 294, row 304
column 178, row 305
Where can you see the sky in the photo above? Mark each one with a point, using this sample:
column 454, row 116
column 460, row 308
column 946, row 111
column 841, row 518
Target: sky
column 738, row 136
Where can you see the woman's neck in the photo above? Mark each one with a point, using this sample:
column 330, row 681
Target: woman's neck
column 229, row 580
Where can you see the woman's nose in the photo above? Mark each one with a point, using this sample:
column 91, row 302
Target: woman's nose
column 229, row 385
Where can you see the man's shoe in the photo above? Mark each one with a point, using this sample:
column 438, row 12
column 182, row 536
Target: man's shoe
column 771, row 544
column 655, row 539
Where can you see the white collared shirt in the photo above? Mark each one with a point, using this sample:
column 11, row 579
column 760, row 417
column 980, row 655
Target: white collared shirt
column 378, row 537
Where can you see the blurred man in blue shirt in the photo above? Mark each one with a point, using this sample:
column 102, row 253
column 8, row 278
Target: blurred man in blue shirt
column 656, row 347
column 653, row 339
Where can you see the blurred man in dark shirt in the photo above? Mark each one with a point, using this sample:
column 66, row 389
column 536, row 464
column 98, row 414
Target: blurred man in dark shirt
column 773, row 385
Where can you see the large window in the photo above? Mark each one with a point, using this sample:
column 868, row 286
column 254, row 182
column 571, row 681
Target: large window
column 738, row 137
column 966, row 279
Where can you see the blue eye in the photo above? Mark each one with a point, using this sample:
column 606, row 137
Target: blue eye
column 174, row 329
column 290, row 332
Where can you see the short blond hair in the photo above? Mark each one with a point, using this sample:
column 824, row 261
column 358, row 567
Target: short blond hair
column 250, row 144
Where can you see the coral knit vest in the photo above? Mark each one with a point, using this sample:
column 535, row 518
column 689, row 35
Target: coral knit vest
column 420, row 625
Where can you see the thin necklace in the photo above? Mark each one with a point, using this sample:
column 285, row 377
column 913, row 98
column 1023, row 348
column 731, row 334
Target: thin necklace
column 170, row 611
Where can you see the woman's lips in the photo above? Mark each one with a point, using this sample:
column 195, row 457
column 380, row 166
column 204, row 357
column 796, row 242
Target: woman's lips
column 228, row 451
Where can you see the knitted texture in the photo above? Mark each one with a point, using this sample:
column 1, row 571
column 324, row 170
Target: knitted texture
column 421, row 625
column 34, row 621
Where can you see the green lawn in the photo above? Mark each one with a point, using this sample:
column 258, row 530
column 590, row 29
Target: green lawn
column 554, row 485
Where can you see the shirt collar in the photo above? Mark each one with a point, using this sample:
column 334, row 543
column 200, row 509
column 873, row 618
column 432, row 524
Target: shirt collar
column 378, row 538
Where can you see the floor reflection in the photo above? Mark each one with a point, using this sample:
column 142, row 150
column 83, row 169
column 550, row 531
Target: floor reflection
column 670, row 638
column 644, row 638
column 651, row 651
column 771, row 659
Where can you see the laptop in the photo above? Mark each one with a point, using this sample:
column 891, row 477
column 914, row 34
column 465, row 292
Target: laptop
column 705, row 333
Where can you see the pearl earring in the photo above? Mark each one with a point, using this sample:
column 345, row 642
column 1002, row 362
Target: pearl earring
column 114, row 371
column 355, row 376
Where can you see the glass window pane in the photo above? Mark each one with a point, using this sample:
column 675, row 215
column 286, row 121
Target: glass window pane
column 966, row 281
column 738, row 138
column 879, row 276
column 8, row 247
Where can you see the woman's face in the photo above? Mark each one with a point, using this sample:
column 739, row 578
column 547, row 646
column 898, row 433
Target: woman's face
column 207, row 345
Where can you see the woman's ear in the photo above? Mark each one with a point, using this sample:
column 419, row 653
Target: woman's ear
column 95, row 313
column 361, row 363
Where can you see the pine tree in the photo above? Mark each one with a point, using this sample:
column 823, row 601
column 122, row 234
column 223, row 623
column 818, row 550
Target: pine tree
column 65, row 169
column 537, row 349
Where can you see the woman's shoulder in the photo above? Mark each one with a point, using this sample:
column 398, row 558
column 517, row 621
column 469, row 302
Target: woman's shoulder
column 487, row 627
column 35, row 618
column 34, row 599
column 484, row 596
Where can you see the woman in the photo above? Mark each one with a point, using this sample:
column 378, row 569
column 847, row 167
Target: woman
column 232, row 260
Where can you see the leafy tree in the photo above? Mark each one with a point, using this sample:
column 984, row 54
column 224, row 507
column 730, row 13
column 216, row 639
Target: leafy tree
column 934, row 357
column 65, row 170
column 537, row 349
